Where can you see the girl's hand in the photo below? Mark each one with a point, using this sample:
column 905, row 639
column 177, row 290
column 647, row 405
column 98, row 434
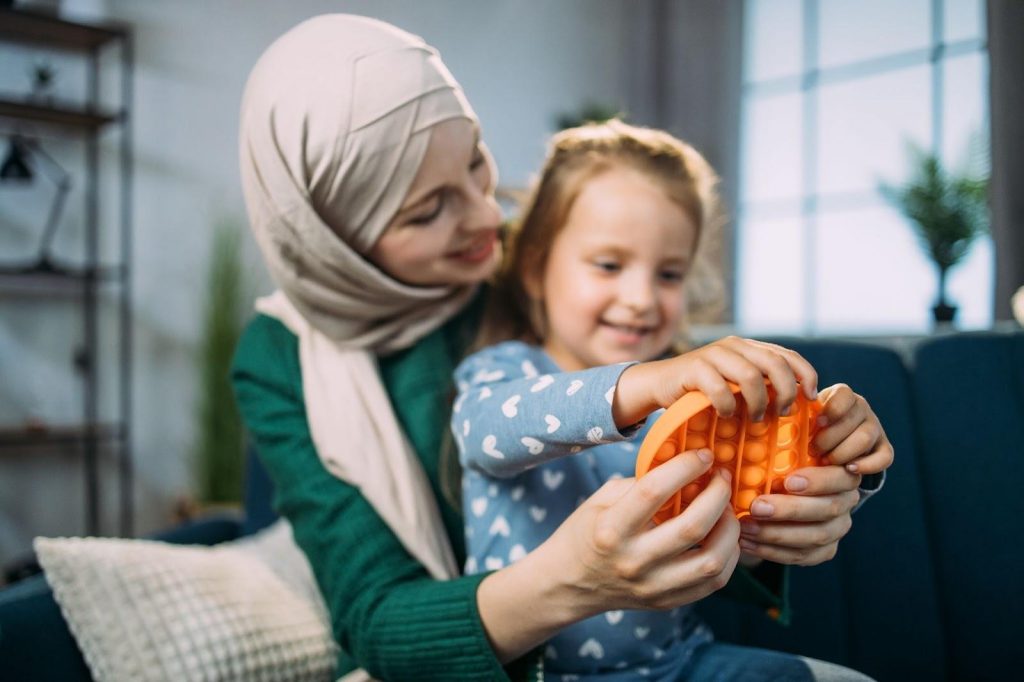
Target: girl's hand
column 608, row 555
column 805, row 526
column 648, row 386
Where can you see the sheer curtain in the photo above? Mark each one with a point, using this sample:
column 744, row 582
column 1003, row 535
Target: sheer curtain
column 1006, row 55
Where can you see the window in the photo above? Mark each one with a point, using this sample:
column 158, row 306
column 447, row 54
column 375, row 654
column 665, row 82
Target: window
column 832, row 92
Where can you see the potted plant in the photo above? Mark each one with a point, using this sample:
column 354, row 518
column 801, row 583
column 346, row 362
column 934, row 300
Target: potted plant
column 948, row 210
column 219, row 450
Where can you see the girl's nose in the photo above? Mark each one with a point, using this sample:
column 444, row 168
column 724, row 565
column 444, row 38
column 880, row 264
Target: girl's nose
column 637, row 293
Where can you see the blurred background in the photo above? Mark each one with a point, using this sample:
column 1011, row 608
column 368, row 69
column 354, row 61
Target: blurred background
column 122, row 225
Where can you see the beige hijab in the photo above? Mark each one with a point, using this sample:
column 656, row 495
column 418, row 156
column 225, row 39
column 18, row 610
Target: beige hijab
column 336, row 119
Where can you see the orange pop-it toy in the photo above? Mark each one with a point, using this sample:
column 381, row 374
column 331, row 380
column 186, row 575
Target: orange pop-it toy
column 757, row 453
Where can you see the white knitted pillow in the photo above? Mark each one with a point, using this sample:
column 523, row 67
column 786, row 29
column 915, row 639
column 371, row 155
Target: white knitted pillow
column 145, row 610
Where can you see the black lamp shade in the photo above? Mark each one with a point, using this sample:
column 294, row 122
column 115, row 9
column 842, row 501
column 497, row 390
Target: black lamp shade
column 15, row 166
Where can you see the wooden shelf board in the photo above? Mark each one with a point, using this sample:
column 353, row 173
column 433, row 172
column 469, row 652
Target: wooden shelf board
column 35, row 28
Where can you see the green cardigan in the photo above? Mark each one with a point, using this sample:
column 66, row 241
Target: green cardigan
column 388, row 615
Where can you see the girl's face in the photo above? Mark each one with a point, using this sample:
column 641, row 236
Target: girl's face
column 447, row 230
column 612, row 286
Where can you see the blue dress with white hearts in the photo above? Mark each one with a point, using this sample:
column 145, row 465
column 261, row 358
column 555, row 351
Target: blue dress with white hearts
column 534, row 443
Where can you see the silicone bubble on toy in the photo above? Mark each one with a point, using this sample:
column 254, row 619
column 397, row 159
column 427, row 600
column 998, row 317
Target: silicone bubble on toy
column 756, row 453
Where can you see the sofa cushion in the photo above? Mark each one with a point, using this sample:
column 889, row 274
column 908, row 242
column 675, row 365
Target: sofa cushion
column 969, row 391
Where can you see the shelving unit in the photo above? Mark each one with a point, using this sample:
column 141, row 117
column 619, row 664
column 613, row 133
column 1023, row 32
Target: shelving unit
column 80, row 281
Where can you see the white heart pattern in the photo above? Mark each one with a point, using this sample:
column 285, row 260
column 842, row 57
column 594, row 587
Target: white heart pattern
column 516, row 553
column 490, row 447
column 465, row 428
column 484, row 377
column 479, row 506
column 553, row 479
column 508, row 408
column 517, row 493
column 641, row 631
column 529, row 371
column 485, row 393
column 533, row 445
column 471, row 565
column 458, row 402
column 538, row 513
column 542, row 383
column 613, row 617
column 500, row 527
column 609, row 394
column 492, row 490
column 574, row 386
column 595, row 434
column 553, row 422
column 493, row 563
column 592, row 648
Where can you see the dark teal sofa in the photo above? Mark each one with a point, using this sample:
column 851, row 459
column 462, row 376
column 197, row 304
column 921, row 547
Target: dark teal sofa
column 926, row 586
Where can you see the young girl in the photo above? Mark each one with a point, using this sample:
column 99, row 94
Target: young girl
column 595, row 283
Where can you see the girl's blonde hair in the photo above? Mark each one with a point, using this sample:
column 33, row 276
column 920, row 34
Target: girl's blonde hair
column 576, row 156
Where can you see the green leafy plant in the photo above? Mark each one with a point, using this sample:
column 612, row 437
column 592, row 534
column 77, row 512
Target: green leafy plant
column 590, row 112
column 947, row 209
column 219, row 451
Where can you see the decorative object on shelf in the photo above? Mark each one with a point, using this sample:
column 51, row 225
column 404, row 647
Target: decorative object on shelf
column 16, row 167
column 948, row 210
column 43, row 78
column 220, row 450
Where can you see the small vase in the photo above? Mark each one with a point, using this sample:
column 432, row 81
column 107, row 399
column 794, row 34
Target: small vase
column 944, row 313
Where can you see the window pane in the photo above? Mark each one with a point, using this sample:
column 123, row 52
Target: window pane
column 855, row 30
column 771, row 160
column 964, row 106
column 874, row 275
column 971, row 286
column 769, row 276
column 773, row 43
column 963, row 20
column 864, row 126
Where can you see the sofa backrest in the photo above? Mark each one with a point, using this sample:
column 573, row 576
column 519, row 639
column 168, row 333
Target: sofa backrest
column 969, row 399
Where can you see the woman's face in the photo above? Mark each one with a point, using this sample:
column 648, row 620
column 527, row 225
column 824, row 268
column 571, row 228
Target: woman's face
column 447, row 229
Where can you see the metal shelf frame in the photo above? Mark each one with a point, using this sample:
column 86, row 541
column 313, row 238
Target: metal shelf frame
column 83, row 280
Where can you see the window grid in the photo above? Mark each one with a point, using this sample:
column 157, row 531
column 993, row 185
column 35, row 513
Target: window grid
column 807, row 83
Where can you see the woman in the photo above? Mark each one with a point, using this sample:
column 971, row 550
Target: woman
column 371, row 197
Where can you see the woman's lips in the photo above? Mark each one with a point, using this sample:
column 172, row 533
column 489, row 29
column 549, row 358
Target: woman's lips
column 478, row 252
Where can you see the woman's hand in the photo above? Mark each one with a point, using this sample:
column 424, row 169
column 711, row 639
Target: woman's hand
column 608, row 555
column 850, row 433
column 805, row 526
column 648, row 386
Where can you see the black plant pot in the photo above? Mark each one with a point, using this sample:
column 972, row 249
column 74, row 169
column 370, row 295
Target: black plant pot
column 944, row 313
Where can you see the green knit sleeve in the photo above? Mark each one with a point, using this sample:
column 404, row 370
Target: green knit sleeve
column 386, row 611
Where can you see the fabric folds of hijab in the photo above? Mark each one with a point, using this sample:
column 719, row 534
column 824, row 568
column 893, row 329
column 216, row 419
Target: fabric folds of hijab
column 336, row 118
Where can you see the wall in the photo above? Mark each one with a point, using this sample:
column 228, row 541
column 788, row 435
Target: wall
column 519, row 62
